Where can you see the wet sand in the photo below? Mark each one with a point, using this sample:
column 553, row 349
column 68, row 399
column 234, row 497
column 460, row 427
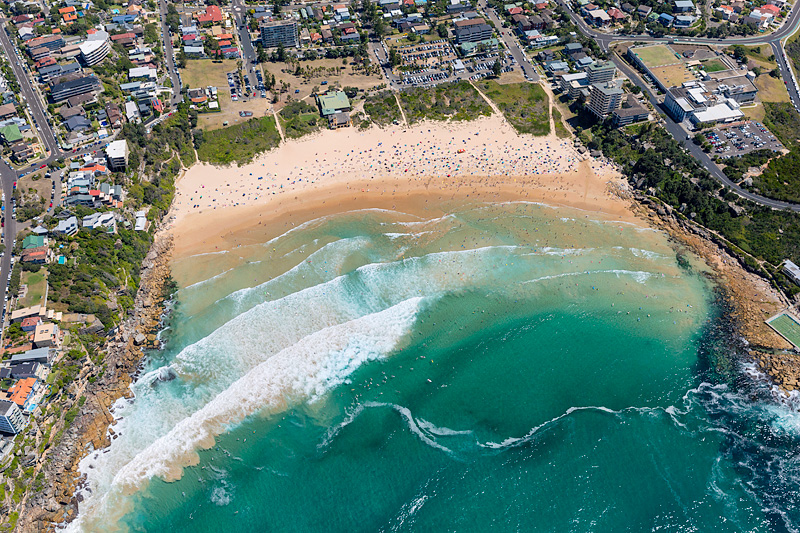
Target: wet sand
column 418, row 170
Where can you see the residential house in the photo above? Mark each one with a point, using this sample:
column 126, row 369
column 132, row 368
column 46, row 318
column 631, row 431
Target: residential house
column 46, row 336
column 68, row 227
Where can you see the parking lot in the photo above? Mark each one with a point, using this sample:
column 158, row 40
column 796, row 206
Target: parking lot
column 737, row 139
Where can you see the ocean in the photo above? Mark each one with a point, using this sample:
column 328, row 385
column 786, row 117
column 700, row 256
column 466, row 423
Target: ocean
column 507, row 367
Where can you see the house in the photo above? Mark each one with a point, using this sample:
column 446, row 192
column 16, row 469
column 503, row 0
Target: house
column 665, row 19
column 77, row 123
column 141, row 221
column 7, row 110
column 37, row 256
column 573, row 48
column 683, row 21
column 113, row 114
column 39, row 355
column 31, row 369
column 46, row 335
column 21, row 151
column 725, row 12
column 100, row 220
column 68, row 227
column 792, row 271
column 33, row 241
column 20, row 314
column 627, row 8
column 683, row 6
column 643, row 10
column 770, row 9
column 10, row 134
column 22, row 393
column 29, row 324
column 616, row 15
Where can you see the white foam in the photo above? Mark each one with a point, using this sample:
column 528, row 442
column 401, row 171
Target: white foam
column 639, row 276
column 302, row 372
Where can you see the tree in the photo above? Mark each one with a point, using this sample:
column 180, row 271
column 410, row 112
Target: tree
column 394, row 57
column 261, row 54
column 739, row 52
column 497, row 68
column 441, row 29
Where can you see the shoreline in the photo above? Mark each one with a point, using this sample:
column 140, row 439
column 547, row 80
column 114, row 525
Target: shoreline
column 591, row 186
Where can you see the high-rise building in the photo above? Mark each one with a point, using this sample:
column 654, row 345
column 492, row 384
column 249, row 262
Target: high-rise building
column 601, row 71
column 604, row 98
column 11, row 418
column 278, row 32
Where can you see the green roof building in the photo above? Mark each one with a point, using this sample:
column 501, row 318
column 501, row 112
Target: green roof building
column 32, row 241
column 10, row 134
column 333, row 102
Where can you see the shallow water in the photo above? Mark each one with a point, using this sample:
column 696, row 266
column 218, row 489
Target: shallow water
column 513, row 367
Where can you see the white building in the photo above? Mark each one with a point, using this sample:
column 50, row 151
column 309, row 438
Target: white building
column 11, row 418
column 67, row 227
column 100, row 220
column 95, row 48
column 117, row 154
column 792, row 271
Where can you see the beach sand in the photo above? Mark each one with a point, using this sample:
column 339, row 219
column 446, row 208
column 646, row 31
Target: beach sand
column 417, row 170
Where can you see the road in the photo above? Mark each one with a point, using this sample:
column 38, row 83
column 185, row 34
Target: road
column 8, row 175
column 30, row 95
column 510, row 42
column 169, row 55
column 604, row 40
column 239, row 10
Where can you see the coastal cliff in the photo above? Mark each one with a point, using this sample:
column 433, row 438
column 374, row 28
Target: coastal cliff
column 751, row 297
column 92, row 429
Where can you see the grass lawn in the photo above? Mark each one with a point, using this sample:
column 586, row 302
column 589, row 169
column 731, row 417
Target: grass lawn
column 448, row 101
column 239, row 143
column 205, row 72
column 656, row 55
column 37, row 284
column 525, row 105
column 382, row 108
column 713, row 65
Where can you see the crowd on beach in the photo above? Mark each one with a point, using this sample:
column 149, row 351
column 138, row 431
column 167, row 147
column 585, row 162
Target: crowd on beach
column 419, row 153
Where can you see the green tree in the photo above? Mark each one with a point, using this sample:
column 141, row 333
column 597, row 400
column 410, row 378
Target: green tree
column 497, row 68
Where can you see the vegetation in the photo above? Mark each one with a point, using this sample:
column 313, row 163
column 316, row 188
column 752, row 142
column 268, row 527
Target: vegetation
column 299, row 118
column 238, row 143
column 781, row 178
column 449, row 101
column 657, row 163
column 525, row 105
column 382, row 109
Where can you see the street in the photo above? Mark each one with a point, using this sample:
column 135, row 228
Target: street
column 169, row 55
column 510, row 42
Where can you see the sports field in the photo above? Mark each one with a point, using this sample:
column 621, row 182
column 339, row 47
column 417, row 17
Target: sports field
column 657, row 55
column 787, row 327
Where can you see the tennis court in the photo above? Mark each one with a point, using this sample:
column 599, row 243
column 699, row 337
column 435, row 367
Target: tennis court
column 787, row 327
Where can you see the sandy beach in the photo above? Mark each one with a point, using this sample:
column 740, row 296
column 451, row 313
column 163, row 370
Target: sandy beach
column 415, row 170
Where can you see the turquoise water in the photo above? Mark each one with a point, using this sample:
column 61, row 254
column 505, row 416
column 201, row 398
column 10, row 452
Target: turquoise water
column 509, row 368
